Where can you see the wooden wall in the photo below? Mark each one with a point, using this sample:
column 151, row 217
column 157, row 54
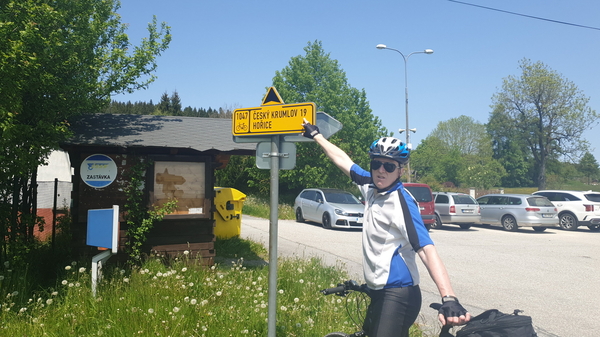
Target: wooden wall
column 175, row 234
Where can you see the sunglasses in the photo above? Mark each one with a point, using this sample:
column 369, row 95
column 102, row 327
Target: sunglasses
column 389, row 167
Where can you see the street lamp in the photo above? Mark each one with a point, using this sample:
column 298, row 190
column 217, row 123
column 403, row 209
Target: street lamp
column 405, row 58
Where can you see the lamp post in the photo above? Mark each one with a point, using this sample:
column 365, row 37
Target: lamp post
column 408, row 131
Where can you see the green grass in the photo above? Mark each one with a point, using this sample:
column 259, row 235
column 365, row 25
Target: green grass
column 174, row 298
column 260, row 207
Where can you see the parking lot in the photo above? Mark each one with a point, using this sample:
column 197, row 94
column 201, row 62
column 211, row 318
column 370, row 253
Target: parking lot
column 551, row 275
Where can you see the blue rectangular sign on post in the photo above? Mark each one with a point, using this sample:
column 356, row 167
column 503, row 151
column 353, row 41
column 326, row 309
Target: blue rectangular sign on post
column 103, row 228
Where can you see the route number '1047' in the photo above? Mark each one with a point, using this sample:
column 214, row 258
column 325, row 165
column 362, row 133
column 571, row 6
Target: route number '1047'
column 273, row 119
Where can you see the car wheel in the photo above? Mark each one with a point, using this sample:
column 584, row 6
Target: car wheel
column 594, row 228
column 299, row 217
column 463, row 226
column 509, row 223
column 539, row 229
column 568, row 222
column 438, row 222
column 326, row 221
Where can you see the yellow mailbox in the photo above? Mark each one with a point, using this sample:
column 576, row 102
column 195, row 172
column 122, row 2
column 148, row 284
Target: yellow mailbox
column 228, row 216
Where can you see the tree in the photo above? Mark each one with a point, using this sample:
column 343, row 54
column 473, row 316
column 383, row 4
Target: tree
column 164, row 106
column 315, row 77
column 464, row 134
column 588, row 166
column 59, row 58
column 543, row 112
column 458, row 150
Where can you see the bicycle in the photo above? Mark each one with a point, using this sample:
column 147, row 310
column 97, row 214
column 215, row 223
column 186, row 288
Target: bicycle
column 343, row 289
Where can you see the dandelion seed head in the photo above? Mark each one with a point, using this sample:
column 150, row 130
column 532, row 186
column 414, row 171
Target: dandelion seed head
column 82, row 269
column 68, row 268
column 150, row 311
column 193, row 301
column 296, row 300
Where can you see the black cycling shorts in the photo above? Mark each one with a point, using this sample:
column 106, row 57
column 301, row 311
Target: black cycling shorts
column 392, row 311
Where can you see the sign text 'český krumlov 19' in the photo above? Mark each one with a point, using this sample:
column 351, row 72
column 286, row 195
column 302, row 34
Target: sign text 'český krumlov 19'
column 273, row 117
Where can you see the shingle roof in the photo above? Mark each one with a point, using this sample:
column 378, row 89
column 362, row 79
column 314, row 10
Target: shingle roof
column 201, row 134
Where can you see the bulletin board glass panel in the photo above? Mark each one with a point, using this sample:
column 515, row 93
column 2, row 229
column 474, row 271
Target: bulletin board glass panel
column 184, row 181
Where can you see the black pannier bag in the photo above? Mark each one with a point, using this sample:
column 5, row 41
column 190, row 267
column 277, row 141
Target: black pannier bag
column 493, row 323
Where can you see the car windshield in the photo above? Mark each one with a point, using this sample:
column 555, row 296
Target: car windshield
column 595, row 197
column 341, row 198
column 533, row 201
column 463, row 199
column 422, row 194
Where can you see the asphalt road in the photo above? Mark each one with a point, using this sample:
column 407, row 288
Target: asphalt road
column 552, row 276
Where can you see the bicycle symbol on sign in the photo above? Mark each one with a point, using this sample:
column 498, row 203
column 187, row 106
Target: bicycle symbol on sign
column 241, row 127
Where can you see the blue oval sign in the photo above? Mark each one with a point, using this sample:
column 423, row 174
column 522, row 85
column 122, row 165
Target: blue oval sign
column 98, row 170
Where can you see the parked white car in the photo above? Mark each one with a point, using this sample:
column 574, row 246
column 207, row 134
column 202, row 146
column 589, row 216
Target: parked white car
column 575, row 208
column 330, row 207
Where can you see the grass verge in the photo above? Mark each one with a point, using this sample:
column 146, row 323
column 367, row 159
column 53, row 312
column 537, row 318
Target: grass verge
column 177, row 298
column 261, row 208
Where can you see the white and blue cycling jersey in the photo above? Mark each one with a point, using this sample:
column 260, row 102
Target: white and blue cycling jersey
column 389, row 238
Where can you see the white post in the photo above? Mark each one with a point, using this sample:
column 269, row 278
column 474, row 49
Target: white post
column 97, row 261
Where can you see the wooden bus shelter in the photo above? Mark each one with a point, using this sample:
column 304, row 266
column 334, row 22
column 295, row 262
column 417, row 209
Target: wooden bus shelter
column 183, row 153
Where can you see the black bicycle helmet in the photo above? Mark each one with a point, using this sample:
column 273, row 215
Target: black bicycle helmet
column 390, row 147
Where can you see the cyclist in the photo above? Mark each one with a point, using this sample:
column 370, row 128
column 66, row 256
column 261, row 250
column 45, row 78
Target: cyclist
column 393, row 234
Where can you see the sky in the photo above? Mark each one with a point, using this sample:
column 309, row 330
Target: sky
column 225, row 53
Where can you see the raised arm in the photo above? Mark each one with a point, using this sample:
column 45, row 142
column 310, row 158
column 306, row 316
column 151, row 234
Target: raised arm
column 337, row 156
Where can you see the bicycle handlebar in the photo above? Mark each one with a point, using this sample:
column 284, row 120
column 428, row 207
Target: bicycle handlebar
column 343, row 288
column 338, row 289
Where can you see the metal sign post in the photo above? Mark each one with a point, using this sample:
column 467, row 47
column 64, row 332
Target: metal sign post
column 274, row 122
column 273, row 220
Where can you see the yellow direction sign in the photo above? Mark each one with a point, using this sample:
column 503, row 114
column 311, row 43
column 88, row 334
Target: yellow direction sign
column 273, row 118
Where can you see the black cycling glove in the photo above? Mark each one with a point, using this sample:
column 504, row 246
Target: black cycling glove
column 452, row 308
column 310, row 131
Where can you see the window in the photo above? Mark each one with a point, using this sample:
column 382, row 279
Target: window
column 441, row 199
column 594, row 197
column 539, row 201
column 514, row 201
column 463, row 200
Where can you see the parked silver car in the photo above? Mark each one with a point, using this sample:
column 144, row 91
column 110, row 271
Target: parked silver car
column 512, row 211
column 330, row 207
column 455, row 208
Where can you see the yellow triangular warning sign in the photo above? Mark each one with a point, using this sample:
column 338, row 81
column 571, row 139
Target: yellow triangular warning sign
column 272, row 97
